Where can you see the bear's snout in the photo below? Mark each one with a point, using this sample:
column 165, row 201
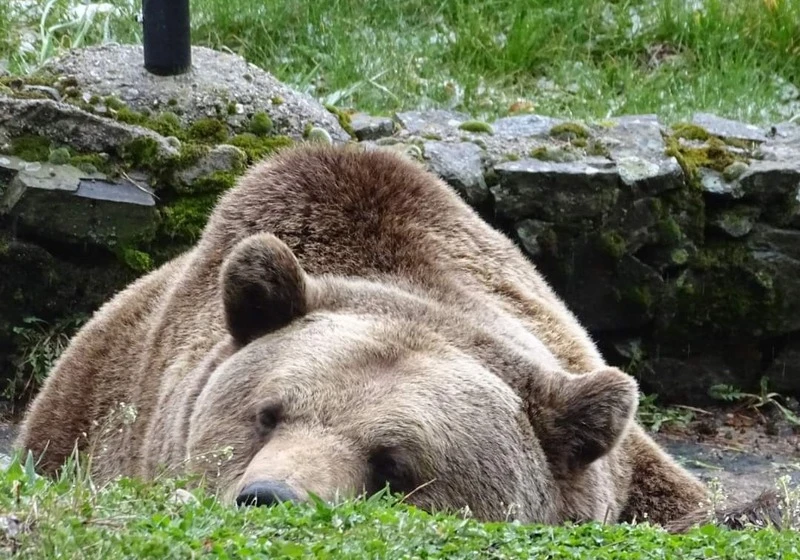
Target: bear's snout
column 266, row 493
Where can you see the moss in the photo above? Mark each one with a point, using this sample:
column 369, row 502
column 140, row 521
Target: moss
column 142, row 152
column 431, row 136
column 612, row 244
column 317, row 134
column 344, row 119
column 185, row 218
column 256, row 147
column 307, row 129
column 91, row 163
column 136, row 260
column 597, row 148
column 690, row 131
column 277, row 100
column 59, row 156
column 260, row 124
column 669, row 232
column 727, row 293
column 511, row 157
column 216, row 182
column 640, row 296
column 172, row 102
column 477, row 127
column 167, row 124
column 714, row 154
column 569, row 131
column 94, row 100
column 113, row 103
column 31, row 147
column 130, row 117
column 208, row 130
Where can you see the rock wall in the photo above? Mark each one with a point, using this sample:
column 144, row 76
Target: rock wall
column 679, row 247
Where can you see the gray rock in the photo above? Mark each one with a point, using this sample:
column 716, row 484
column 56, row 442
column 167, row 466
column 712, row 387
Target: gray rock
column 784, row 371
column 223, row 158
column 727, row 128
column 216, row 82
column 714, row 184
column 461, row 165
column 530, row 233
column 557, row 192
column 736, row 222
column 56, row 203
column 367, row 127
column 67, row 124
column 636, row 145
column 687, row 378
column 524, row 125
column 770, row 239
column 782, row 271
column 638, row 225
column 612, row 298
column 437, row 123
column 735, row 170
column 768, row 181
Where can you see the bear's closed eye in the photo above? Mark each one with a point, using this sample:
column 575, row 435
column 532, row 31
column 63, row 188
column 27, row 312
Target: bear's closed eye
column 268, row 418
column 388, row 469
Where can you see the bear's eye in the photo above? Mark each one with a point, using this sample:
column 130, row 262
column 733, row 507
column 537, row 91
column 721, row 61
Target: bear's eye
column 268, row 417
column 387, row 468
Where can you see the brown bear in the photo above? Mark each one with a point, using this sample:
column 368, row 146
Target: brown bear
column 346, row 323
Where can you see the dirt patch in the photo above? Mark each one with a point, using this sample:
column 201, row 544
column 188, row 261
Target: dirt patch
column 745, row 449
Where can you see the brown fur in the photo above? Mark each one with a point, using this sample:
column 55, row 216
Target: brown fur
column 346, row 314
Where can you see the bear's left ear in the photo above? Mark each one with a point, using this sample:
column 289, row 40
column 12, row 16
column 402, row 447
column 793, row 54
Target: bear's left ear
column 579, row 418
column 263, row 287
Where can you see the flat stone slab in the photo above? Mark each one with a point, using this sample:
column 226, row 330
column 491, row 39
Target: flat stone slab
column 217, row 84
column 461, row 165
column 433, row 123
column 556, row 192
column 367, row 127
column 525, row 125
column 72, row 126
column 727, row 128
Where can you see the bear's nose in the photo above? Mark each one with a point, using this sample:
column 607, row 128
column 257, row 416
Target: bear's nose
column 265, row 494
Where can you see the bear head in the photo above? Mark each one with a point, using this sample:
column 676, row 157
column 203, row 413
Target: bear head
column 340, row 387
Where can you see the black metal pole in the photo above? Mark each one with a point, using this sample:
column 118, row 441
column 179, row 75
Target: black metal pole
column 167, row 36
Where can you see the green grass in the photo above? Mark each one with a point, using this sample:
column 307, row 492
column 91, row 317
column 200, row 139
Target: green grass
column 71, row 518
column 572, row 58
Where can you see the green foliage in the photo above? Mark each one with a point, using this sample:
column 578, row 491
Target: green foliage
column 137, row 260
column 69, row 516
column 39, row 345
column 764, row 397
column 671, row 58
column 569, row 131
column 209, row 131
column 185, row 218
column 31, row 147
column 257, row 147
column 476, row 126
column 344, row 119
column 261, row 124
column 653, row 416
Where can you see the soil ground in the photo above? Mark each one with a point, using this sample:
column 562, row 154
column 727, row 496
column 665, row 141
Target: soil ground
column 745, row 450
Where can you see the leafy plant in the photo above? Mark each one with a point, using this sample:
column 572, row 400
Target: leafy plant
column 756, row 401
column 654, row 417
column 40, row 346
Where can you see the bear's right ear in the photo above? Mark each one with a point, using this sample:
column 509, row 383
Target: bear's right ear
column 263, row 287
column 579, row 418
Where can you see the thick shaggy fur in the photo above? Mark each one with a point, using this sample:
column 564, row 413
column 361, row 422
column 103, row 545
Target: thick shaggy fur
column 346, row 321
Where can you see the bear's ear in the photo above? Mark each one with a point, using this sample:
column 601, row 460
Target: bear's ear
column 580, row 418
column 263, row 287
